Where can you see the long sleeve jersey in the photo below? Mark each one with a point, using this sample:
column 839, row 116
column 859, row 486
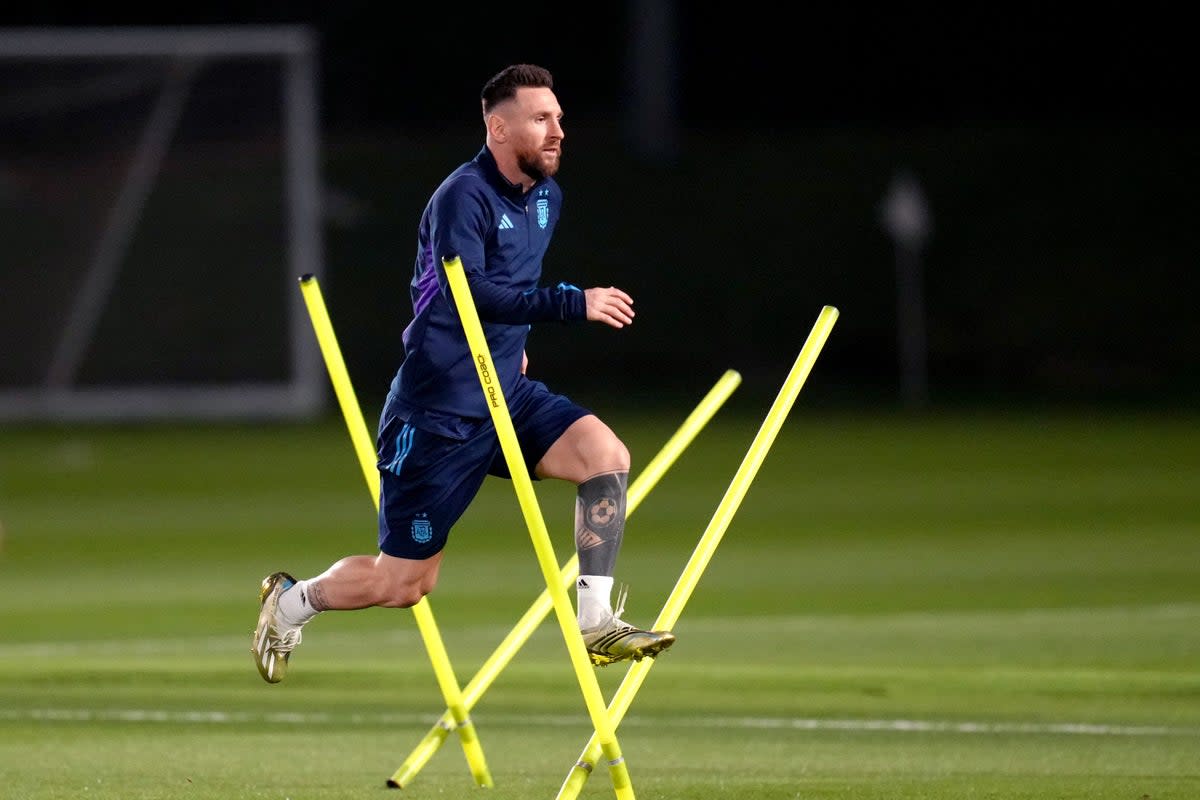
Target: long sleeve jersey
column 501, row 234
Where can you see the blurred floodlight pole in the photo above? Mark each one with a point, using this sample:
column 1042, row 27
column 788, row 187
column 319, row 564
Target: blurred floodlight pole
column 906, row 219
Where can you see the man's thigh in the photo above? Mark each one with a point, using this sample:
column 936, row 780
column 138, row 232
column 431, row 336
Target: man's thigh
column 540, row 418
column 426, row 482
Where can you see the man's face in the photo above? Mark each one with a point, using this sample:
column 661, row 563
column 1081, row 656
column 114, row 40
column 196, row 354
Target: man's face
column 535, row 131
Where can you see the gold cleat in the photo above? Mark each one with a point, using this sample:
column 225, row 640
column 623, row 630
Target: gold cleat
column 272, row 647
column 616, row 640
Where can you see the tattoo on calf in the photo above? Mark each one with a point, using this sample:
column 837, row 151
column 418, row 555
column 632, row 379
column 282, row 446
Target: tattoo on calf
column 600, row 522
column 316, row 597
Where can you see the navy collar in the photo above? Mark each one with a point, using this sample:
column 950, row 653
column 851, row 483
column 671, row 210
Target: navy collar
column 503, row 185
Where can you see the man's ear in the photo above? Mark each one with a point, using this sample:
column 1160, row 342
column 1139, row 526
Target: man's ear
column 496, row 127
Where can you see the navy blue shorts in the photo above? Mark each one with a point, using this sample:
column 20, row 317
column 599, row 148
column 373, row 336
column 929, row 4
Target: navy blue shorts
column 427, row 479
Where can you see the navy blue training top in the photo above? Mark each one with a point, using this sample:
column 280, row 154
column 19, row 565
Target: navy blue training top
column 501, row 234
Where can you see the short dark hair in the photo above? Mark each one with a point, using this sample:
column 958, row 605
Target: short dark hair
column 504, row 84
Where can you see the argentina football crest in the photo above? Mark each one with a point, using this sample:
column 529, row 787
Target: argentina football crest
column 543, row 208
column 422, row 530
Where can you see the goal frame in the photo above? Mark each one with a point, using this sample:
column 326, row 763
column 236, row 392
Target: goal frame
column 304, row 394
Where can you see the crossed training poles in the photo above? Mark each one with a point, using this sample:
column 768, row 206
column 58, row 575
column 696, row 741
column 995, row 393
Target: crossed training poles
column 364, row 448
column 605, row 719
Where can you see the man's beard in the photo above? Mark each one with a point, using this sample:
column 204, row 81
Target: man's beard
column 538, row 165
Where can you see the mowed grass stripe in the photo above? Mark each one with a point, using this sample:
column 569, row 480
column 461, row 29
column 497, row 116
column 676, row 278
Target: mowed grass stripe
column 542, row 720
column 1014, row 626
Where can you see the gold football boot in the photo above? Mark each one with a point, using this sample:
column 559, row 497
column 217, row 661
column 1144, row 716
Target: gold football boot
column 272, row 646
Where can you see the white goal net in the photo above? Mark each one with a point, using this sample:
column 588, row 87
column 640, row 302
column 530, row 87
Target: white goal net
column 158, row 203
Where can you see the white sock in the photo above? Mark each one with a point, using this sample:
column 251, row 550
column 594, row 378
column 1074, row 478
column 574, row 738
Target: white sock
column 294, row 609
column 594, row 599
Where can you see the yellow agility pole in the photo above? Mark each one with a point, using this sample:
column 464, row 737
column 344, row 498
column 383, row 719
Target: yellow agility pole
column 498, row 408
column 442, row 668
column 525, row 627
column 710, row 539
column 528, row 623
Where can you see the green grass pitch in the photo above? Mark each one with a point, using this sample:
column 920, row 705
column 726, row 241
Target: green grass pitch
column 968, row 605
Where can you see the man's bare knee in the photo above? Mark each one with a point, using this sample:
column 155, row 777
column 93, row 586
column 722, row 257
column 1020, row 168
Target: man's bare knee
column 587, row 448
column 405, row 596
column 403, row 582
column 616, row 454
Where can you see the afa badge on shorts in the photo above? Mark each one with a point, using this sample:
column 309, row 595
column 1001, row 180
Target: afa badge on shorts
column 422, row 531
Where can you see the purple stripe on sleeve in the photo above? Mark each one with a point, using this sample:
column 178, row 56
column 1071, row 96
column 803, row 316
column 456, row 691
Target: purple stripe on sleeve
column 426, row 290
column 427, row 286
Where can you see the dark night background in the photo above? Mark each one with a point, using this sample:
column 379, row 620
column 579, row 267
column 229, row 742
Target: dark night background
column 908, row 64
column 1055, row 146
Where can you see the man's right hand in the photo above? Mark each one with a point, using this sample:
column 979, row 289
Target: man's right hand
column 609, row 305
